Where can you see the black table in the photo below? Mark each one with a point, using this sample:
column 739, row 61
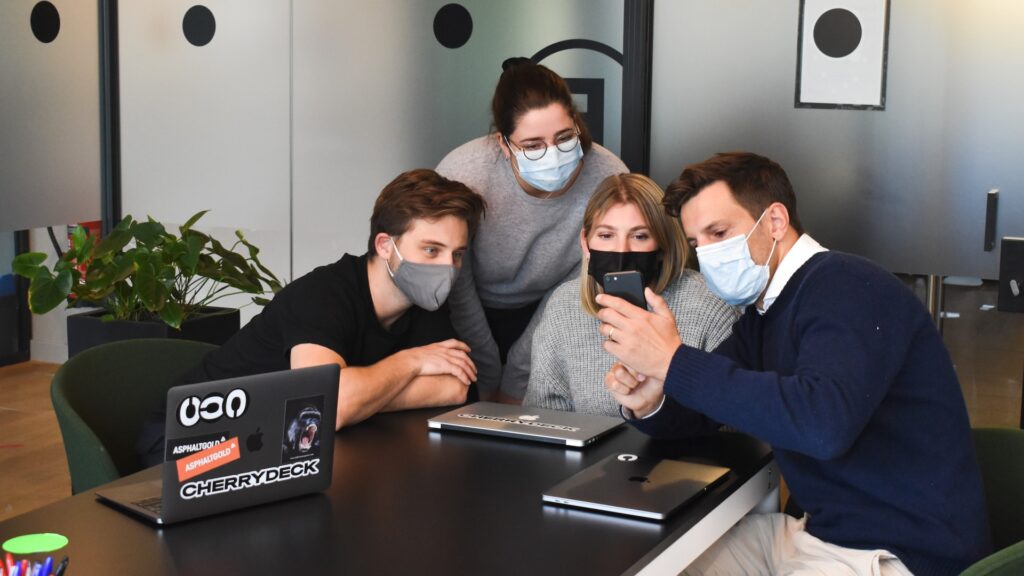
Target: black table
column 405, row 500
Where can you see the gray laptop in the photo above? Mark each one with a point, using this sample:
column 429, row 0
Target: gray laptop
column 636, row 486
column 239, row 442
column 555, row 426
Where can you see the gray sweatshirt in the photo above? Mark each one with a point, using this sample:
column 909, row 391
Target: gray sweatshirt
column 524, row 248
column 569, row 362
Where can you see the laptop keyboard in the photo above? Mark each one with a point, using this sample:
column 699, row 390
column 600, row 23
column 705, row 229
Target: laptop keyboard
column 154, row 505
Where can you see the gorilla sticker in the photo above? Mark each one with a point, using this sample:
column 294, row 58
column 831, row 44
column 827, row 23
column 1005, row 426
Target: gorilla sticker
column 302, row 429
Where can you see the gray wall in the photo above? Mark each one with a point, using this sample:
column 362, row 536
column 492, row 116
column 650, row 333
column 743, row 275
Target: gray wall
column 294, row 117
column 49, row 117
column 375, row 94
column 6, row 252
column 905, row 186
column 208, row 127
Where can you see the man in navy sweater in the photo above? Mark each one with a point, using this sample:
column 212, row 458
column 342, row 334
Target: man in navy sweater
column 836, row 365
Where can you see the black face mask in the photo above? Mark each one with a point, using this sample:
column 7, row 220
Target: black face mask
column 648, row 264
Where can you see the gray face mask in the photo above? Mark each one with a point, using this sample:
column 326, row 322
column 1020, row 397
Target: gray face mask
column 425, row 285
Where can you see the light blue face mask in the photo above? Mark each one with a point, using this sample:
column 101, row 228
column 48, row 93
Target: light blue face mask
column 730, row 272
column 552, row 171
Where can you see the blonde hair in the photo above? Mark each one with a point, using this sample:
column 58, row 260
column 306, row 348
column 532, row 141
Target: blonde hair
column 642, row 192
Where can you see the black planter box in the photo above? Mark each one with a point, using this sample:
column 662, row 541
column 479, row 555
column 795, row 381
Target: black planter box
column 86, row 330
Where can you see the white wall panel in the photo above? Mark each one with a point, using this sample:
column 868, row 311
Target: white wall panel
column 905, row 186
column 375, row 94
column 49, row 116
column 207, row 127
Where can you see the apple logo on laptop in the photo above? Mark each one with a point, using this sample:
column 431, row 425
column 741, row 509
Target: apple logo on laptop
column 529, row 417
column 255, row 441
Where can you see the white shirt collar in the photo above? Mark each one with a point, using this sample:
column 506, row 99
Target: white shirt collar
column 798, row 255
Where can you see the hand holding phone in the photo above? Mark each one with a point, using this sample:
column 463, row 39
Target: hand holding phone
column 628, row 285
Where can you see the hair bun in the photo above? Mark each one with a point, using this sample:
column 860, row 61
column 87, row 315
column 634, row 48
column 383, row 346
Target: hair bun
column 513, row 62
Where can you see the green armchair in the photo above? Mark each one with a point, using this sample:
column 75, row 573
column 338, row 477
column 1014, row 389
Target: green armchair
column 1001, row 457
column 102, row 396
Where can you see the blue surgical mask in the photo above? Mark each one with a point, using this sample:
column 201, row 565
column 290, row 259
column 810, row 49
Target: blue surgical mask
column 730, row 272
column 552, row 171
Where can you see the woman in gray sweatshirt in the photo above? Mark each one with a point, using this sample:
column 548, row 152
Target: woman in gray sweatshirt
column 536, row 171
column 625, row 227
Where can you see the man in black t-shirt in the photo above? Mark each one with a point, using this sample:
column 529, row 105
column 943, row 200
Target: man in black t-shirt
column 380, row 316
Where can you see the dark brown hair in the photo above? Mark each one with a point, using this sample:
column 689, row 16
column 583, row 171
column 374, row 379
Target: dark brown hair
column 526, row 86
column 423, row 194
column 755, row 181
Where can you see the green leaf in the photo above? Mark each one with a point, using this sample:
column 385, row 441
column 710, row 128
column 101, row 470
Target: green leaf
column 27, row 264
column 78, row 241
column 47, row 291
column 148, row 233
column 97, row 295
column 207, row 267
column 149, row 289
column 253, row 251
column 260, row 300
column 226, row 255
column 205, row 238
column 190, row 259
column 101, row 277
column 173, row 251
column 125, row 224
column 188, row 225
column 171, row 314
column 114, row 242
column 84, row 253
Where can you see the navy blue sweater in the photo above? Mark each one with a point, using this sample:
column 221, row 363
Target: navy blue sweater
column 848, row 380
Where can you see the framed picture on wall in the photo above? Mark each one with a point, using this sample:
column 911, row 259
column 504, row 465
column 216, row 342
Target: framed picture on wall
column 842, row 50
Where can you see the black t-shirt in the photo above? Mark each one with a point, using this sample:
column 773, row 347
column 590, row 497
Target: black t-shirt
column 331, row 306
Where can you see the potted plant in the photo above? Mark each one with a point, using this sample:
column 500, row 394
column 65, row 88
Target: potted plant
column 148, row 281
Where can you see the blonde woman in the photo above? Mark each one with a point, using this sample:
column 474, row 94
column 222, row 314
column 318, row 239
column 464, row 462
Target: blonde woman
column 625, row 227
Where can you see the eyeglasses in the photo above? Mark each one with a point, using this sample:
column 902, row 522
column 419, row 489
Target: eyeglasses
column 535, row 150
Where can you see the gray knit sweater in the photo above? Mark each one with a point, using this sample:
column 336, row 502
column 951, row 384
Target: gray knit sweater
column 525, row 247
column 569, row 362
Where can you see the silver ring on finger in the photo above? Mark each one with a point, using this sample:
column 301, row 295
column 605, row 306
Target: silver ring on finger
column 610, row 332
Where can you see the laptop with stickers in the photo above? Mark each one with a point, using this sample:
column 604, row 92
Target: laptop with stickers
column 555, row 426
column 239, row 442
column 636, row 486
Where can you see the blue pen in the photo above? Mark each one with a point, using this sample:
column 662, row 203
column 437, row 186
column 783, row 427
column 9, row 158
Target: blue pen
column 47, row 566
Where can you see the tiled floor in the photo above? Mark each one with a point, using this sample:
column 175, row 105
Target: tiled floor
column 987, row 349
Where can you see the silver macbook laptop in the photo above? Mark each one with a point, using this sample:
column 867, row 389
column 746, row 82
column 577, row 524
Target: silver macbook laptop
column 555, row 426
column 636, row 486
column 239, row 442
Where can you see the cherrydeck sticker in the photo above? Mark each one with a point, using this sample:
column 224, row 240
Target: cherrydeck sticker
column 209, row 459
column 253, row 479
column 181, row 447
column 302, row 429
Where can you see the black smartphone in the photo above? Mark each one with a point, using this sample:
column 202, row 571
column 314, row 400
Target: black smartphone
column 628, row 285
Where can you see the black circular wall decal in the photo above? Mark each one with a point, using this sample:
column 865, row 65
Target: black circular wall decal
column 199, row 25
column 837, row 33
column 453, row 25
column 45, row 21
